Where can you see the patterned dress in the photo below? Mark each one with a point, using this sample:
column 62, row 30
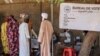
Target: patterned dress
column 12, row 34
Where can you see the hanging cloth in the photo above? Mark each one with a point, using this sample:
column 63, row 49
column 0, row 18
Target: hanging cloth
column 4, row 38
column 12, row 34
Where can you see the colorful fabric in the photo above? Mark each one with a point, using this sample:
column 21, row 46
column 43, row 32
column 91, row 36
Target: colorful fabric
column 12, row 34
column 4, row 38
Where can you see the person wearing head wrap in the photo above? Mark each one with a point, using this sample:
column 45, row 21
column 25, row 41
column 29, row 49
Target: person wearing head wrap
column 4, row 38
column 24, row 36
column 45, row 35
column 13, row 36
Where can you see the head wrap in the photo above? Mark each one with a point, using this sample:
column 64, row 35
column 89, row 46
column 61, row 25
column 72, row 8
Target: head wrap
column 23, row 15
column 44, row 15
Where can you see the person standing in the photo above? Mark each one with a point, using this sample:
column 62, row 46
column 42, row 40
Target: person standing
column 45, row 35
column 13, row 35
column 4, row 37
column 24, row 36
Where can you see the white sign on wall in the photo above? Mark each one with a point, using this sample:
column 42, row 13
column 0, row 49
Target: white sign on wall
column 80, row 16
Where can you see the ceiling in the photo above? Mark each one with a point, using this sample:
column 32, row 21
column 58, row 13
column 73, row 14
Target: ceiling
column 15, row 1
column 24, row 1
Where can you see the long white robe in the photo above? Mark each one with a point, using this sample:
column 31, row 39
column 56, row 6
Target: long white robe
column 45, row 36
column 24, row 40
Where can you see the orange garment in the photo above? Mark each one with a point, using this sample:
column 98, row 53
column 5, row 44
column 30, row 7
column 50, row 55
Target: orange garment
column 30, row 24
column 45, row 36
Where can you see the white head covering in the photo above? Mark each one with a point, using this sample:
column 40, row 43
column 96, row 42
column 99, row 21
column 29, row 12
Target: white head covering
column 23, row 15
column 44, row 15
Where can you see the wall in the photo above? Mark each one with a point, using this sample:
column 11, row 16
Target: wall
column 34, row 9
column 15, row 9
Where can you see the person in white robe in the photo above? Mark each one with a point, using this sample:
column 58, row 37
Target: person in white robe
column 24, row 36
column 45, row 35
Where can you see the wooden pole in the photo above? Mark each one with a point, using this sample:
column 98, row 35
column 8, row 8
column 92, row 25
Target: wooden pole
column 88, row 43
column 40, row 8
column 52, row 22
column 52, row 11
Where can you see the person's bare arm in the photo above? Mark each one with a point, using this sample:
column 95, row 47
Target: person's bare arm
column 33, row 32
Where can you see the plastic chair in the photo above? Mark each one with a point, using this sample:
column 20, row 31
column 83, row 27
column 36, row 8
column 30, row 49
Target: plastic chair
column 69, row 52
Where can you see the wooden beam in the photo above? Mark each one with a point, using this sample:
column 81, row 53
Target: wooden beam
column 17, row 3
column 88, row 43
